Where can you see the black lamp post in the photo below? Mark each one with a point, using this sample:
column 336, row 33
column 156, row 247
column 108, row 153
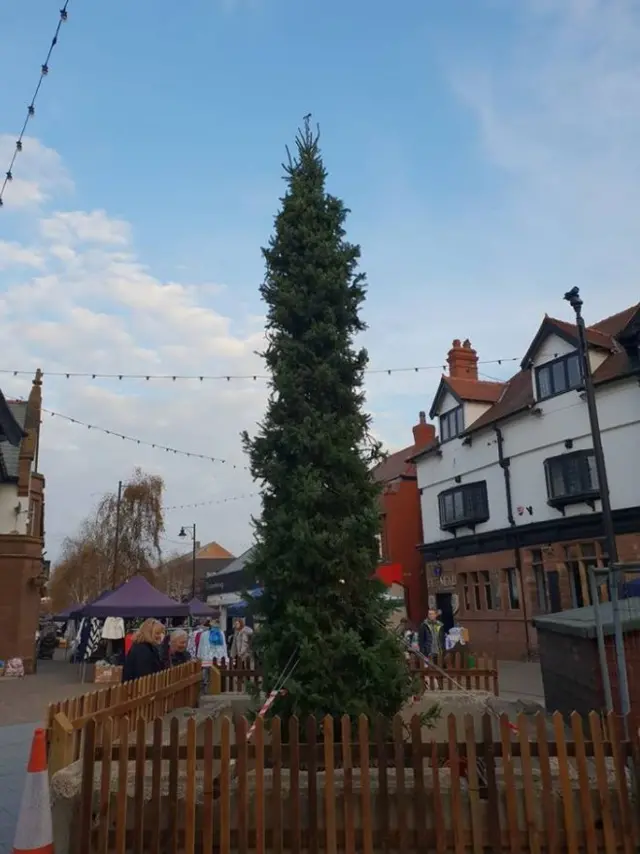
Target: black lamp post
column 182, row 534
column 574, row 300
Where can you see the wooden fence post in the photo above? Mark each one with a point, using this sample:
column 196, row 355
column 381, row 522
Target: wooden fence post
column 215, row 680
column 196, row 688
column 62, row 743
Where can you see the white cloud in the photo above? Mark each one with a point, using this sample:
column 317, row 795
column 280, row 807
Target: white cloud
column 560, row 127
column 13, row 254
column 38, row 172
column 75, row 227
column 94, row 306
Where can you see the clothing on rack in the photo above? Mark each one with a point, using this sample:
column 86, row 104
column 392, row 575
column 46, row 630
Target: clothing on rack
column 212, row 645
column 113, row 628
column 128, row 642
column 89, row 636
column 192, row 642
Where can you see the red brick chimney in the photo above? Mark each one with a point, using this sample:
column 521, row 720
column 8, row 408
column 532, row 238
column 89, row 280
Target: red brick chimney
column 463, row 360
column 423, row 433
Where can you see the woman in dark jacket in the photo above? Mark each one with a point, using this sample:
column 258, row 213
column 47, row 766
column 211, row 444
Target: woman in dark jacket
column 144, row 659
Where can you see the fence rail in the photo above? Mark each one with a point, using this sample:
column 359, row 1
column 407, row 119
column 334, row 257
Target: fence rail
column 141, row 699
column 359, row 786
column 235, row 675
column 481, row 675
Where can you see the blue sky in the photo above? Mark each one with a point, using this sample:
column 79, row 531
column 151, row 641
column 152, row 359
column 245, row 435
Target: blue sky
column 487, row 149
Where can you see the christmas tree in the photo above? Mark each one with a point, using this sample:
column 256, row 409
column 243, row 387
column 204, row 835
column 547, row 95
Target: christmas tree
column 317, row 539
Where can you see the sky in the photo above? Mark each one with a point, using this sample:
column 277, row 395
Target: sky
column 489, row 151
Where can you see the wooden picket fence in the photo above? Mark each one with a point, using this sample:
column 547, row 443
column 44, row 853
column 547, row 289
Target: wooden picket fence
column 236, row 675
column 355, row 786
column 481, row 675
column 125, row 704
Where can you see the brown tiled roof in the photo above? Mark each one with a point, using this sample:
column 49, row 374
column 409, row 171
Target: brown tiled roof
column 615, row 324
column 395, row 466
column 516, row 396
column 466, row 389
column 518, row 391
column 595, row 337
column 477, row 391
column 213, row 550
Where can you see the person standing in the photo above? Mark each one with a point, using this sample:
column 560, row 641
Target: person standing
column 177, row 652
column 431, row 635
column 241, row 643
column 145, row 658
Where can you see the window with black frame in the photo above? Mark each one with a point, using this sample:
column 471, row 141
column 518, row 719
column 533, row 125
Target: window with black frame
column 571, row 478
column 558, row 376
column 540, row 578
column 463, row 505
column 451, row 424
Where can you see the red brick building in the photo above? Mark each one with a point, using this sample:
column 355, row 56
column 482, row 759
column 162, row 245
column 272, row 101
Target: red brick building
column 22, row 569
column 401, row 525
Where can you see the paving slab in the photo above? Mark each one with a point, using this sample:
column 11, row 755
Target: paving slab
column 15, row 742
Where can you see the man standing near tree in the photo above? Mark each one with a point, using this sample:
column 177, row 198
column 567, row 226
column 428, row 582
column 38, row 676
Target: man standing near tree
column 431, row 635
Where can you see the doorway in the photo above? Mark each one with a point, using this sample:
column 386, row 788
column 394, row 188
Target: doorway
column 444, row 604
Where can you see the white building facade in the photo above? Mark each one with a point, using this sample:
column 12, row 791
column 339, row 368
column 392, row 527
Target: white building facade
column 509, row 493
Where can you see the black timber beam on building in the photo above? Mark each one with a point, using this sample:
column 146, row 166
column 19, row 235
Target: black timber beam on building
column 585, row 527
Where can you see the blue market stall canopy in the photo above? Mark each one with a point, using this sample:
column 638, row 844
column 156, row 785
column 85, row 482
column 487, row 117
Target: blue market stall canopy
column 240, row 607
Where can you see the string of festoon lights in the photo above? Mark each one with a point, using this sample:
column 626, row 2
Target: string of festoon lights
column 96, row 375
column 177, row 451
column 211, row 502
column 143, row 442
column 31, row 109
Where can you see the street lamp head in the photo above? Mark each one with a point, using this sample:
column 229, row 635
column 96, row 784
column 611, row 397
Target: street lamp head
column 573, row 298
column 182, row 533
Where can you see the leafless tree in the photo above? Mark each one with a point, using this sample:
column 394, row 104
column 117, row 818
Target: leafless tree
column 87, row 567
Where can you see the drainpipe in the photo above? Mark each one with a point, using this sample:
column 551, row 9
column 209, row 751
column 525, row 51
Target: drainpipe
column 506, row 471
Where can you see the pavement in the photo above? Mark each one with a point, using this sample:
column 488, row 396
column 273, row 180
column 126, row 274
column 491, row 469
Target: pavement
column 14, row 753
column 23, row 704
column 522, row 681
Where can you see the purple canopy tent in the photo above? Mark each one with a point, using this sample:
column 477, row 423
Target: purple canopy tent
column 68, row 613
column 199, row 609
column 74, row 612
column 135, row 598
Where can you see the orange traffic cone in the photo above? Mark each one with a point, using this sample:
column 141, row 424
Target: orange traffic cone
column 34, row 833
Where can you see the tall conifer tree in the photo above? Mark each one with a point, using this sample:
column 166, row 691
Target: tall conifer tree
column 317, row 539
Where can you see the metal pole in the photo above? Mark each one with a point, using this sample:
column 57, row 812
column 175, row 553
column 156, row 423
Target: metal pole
column 573, row 297
column 602, row 650
column 116, row 540
column 193, row 576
